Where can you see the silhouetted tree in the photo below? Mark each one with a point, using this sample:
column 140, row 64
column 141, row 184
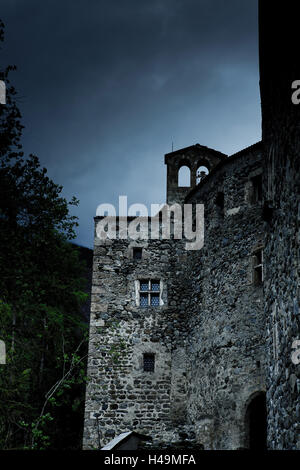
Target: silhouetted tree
column 41, row 294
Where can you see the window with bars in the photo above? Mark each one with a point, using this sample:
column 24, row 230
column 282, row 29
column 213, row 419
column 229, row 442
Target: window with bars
column 148, row 362
column 258, row 274
column 149, row 293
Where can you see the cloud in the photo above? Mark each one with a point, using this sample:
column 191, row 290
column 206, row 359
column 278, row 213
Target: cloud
column 106, row 86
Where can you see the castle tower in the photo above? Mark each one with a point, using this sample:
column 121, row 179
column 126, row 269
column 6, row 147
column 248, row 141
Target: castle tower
column 137, row 357
column 279, row 69
column 162, row 317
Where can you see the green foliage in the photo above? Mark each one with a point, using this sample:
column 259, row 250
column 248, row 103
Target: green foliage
column 41, row 295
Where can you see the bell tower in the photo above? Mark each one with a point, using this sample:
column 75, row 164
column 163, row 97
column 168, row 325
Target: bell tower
column 198, row 160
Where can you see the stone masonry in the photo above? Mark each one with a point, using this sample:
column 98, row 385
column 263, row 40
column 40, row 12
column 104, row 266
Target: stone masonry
column 206, row 333
column 226, row 342
column 279, row 67
column 196, row 345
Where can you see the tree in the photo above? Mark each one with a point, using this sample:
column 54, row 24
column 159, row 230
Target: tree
column 41, row 293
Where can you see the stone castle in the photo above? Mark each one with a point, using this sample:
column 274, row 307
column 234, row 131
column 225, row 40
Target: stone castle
column 195, row 345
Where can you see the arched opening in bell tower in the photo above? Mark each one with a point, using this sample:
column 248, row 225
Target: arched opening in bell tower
column 184, row 176
column 201, row 172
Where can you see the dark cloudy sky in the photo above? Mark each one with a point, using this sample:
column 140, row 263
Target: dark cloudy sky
column 106, row 85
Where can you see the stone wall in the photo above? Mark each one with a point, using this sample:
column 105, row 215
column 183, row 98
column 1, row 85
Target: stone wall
column 123, row 395
column 282, row 306
column 279, row 67
column 206, row 334
column 225, row 351
column 219, row 340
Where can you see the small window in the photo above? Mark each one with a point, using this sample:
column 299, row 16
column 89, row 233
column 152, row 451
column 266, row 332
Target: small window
column 258, row 267
column 149, row 362
column 149, row 293
column 137, row 253
column 256, row 189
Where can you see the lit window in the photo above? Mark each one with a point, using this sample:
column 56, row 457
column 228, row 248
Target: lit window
column 258, row 275
column 149, row 362
column 149, row 293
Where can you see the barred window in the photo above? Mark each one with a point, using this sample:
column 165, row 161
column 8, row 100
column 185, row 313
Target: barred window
column 149, row 362
column 149, row 293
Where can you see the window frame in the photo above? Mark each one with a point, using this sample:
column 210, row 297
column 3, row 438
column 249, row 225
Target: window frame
column 149, row 292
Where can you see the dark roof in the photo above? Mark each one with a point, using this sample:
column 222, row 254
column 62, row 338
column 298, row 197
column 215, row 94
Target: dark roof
column 256, row 146
column 196, row 147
